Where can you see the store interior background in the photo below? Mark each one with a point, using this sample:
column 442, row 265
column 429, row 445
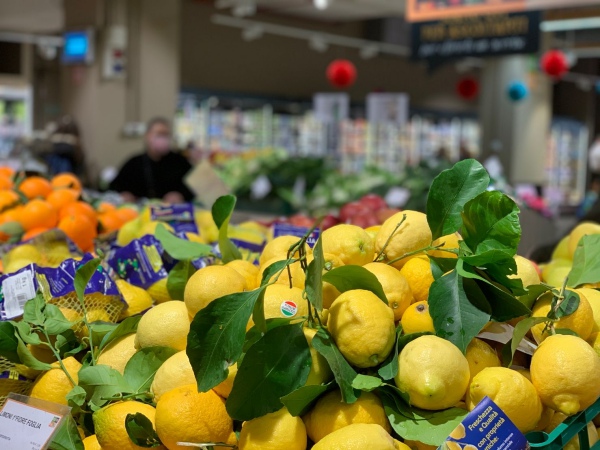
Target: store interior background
column 174, row 48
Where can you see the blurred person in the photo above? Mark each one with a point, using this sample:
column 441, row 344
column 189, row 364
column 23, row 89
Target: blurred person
column 157, row 172
column 65, row 153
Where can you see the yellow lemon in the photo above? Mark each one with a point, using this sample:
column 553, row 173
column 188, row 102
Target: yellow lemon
column 395, row 287
column 330, row 292
column 526, row 272
column 574, row 443
column 128, row 232
column 209, row 284
column 372, row 231
column 206, row 225
column 186, row 415
column 159, row 291
column 246, row 269
column 165, row 325
column 547, row 413
column 54, row 385
column 413, row 234
column 224, row 387
column 150, row 228
column 512, row 392
column 581, row 321
column 283, row 302
column 593, row 298
column 561, row 251
column 433, row 372
column 275, row 431
column 194, row 237
column 118, row 353
column 91, row 443
column 138, row 300
column 109, row 423
column 25, row 252
column 594, row 341
column 279, row 248
column 417, row 272
column 555, row 272
column 173, row 373
column 480, row 355
column 358, row 436
column 581, row 230
column 362, row 326
column 350, row 243
column 320, row 372
column 448, row 242
column 330, row 413
column 297, row 274
column 564, row 371
column 416, row 319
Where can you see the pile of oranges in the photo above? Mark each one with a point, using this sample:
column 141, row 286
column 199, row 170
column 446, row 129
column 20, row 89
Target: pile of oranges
column 37, row 205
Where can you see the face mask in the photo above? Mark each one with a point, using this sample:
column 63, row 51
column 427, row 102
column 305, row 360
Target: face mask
column 160, row 144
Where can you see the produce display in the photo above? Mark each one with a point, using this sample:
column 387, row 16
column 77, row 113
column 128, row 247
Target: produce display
column 380, row 332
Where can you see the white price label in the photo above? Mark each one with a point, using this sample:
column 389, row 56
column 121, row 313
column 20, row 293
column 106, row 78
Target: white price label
column 25, row 427
column 17, row 290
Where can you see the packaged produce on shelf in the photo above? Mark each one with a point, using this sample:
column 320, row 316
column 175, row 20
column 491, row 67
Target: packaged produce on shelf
column 426, row 330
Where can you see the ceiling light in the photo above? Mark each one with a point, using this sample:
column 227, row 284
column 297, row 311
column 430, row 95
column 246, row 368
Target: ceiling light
column 570, row 24
column 321, row 4
column 252, row 33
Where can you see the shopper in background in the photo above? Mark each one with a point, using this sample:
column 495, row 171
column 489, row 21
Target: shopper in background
column 156, row 173
column 65, row 153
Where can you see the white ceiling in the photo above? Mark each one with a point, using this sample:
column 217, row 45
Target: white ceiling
column 338, row 10
column 36, row 16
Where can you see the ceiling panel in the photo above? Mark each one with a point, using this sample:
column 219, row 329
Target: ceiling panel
column 31, row 16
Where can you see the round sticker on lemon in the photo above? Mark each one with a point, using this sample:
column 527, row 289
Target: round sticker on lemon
column 288, row 308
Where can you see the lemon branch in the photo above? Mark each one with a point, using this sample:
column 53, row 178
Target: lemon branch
column 380, row 256
column 57, row 356
column 415, row 252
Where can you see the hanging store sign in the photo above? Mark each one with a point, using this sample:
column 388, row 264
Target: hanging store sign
column 427, row 10
column 476, row 36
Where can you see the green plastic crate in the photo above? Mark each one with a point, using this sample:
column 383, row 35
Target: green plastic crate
column 563, row 433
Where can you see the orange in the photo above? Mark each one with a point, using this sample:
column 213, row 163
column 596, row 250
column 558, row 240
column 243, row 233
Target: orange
column 62, row 197
column 35, row 186
column 109, row 222
column 5, row 183
column 13, row 214
column 8, row 199
column 39, row 213
column 33, row 233
column 80, row 230
column 79, row 208
column 66, row 180
column 104, row 207
column 7, row 171
column 126, row 214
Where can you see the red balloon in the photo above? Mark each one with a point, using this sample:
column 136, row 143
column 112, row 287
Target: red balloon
column 554, row 63
column 341, row 73
column 467, row 88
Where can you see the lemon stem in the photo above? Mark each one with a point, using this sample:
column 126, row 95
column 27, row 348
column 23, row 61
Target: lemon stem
column 381, row 252
column 58, row 358
column 415, row 252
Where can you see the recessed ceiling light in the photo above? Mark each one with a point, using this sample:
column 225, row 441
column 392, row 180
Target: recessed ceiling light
column 321, row 4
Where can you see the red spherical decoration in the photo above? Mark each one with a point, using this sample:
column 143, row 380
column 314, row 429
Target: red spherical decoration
column 467, row 88
column 341, row 73
column 554, row 63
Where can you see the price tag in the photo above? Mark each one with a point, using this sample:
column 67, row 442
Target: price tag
column 17, row 290
column 29, row 424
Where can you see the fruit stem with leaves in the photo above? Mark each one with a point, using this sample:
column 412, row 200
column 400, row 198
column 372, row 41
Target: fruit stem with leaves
column 382, row 251
column 57, row 356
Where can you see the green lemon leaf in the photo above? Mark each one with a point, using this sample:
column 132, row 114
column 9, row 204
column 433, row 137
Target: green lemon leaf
column 100, row 329
column 83, row 275
column 140, row 431
column 301, row 400
column 389, row 368
column 366, row 382
column 346, row 278
column 455, row 318
column 67, row 344
column 491, row 227
column 102, row 383
column 9, row 342
column 24, row 331
column 178, row 278
column 314, row 277
column 343, row 372
column 216, row 336
column 566, row 331
column 533, row 293
column 586, row 262
column 126, row 327
column 258, row 312
column 67, row 437
column 254, row 334
column 442, row 265
column 76, row 396
column 449, row 192
column 141, row 368
column 567, row 307
column 180, row 249
column 221, row 212
column 56, row 322
column 276, row 365
column 28, row 359
column 274, row 269
column 33, row 311
column 521, row 329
